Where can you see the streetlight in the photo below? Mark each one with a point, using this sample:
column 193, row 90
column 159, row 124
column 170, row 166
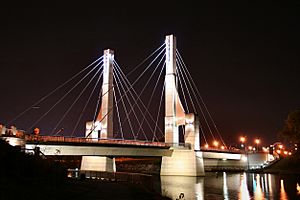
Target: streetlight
column 216, row 143
column 243, row 139
column 257, row 141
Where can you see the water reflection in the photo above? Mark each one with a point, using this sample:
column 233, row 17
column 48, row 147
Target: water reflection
column 283, row 194
column 223, row 185
column 191, row 187
column 243, row 190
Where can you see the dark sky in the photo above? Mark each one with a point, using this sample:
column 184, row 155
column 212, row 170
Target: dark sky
column 244, row 57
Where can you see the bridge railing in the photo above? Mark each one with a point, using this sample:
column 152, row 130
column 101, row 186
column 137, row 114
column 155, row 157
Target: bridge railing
column 62, row 139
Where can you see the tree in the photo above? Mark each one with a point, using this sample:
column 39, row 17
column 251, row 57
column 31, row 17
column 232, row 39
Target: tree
column 291, row 129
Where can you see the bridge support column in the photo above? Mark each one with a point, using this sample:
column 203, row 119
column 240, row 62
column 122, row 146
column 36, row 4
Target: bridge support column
column 98, row 163
column 183, row 162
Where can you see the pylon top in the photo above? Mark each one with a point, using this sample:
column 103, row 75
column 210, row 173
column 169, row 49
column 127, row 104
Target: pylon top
column 108, row 51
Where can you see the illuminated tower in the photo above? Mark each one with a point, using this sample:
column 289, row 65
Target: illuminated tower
column 174, row 113
column 187, row 160
column 105, row 115
column 103, row 126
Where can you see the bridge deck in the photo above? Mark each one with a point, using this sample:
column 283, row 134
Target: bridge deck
column 91, row 141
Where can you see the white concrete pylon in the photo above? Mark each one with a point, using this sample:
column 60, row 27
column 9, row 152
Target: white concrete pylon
column 174, row 112
column 105, row 115
column 104, row 121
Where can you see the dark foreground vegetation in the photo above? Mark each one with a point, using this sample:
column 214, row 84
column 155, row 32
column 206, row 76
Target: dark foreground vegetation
column 31, row 177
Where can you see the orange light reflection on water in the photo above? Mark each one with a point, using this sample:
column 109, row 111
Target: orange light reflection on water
column 243, row 191
column 298, row 189
column 283, row 195
column 258, row 193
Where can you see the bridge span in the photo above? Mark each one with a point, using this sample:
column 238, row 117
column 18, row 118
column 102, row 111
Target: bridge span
column 58, row 145
column 213, row 159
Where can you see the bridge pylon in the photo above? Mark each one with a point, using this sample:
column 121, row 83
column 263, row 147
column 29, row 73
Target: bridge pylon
column 188, row 157
column 102, row 128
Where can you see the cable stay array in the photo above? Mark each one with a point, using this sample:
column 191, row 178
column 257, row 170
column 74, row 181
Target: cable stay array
column 55, row 106
column 138, row 97
column 193, row 99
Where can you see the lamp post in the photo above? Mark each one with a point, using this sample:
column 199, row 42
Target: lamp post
column 243, row 139
column 216, row 143
column 257, row 141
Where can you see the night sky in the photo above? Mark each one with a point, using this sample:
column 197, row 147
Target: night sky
column 244, row 57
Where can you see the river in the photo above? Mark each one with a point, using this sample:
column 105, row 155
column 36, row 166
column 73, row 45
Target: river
column 228, row 186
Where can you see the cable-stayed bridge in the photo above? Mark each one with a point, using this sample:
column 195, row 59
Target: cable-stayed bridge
column 166, row 118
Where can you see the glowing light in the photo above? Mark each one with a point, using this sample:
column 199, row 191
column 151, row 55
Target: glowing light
column 216, row 143
column 250, row 148
column 265, row 149
column 280, row 146
column 285, row 152
column 206, row 146
column 257, row 141
column 222, row 147
column 278, row 151
column 242, row 139
column 290, row 153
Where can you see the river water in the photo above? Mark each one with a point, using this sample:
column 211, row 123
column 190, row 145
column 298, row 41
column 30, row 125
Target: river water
column 227, row 186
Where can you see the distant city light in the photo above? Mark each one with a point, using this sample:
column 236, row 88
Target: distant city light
column 265, row 149
column 278, row 151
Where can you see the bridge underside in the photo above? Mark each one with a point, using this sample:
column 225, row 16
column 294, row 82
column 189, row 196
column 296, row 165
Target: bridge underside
column 101, row 158
column 110, row 151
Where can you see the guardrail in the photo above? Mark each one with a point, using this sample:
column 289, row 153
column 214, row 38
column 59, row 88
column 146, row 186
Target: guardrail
column 32, row 138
